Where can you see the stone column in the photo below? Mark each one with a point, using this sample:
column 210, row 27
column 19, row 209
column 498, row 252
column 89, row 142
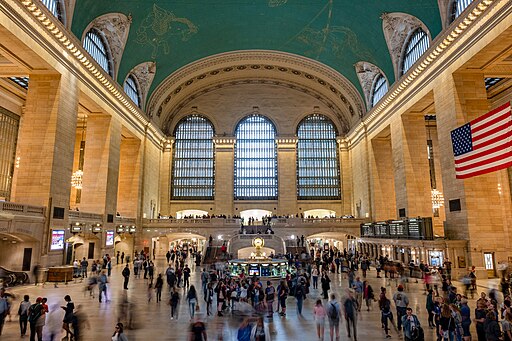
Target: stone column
column 165, row 178
column 224, row 169
column 481, row 220
column 410, row 159
column 101, row 164
column 287, row 173
column 383, row 181
column 128, row 192
column 346, row 178
column 45, row 148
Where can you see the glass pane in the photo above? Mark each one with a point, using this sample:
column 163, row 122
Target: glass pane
column 131, row 89
column 417, row 45
column 255, row 159
column 193, row 160
column 97, row 48
column 379, row 89
column 318, row 175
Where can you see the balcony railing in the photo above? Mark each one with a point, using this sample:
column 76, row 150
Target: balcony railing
column 206, row 222
column 77, row 215
column 22, row 209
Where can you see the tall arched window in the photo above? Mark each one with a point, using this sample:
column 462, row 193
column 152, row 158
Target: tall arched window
column 55, row 6
column 380, row 87
column 132, row 89
column 417, row 45
column 458, row 6
column 255, row 159
column 318, row 171
column 193, row 160
column 98, row 48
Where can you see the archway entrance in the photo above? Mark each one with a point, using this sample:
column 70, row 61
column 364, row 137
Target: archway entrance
column 190, row 214
column 255, row 214
column 319, row 213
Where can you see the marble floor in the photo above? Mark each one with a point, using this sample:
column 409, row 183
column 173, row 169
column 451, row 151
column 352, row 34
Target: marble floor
column 151, row 320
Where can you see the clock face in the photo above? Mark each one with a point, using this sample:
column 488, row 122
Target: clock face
column 258, row 242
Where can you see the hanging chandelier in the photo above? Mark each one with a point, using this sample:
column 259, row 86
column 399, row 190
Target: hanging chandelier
column 76, row 179
column 437, row 199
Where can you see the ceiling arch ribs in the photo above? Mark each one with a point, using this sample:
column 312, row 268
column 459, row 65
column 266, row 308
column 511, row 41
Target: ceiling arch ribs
column 367, row 73
column 144, row 73
column 256, row 64
column 397, row 28
column 115, row 28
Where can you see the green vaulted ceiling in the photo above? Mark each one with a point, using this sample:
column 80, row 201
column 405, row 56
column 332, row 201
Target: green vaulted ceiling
column 174, row 33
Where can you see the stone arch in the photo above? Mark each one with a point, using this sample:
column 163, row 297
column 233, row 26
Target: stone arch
column 397, row 28
column 115, row 28
column 143, row 74
column 367, row 73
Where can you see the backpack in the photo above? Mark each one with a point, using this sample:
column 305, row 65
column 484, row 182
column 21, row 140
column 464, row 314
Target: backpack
column 270, row 293
column 34, row 312
column 299, row 291
column 349, row 306
column 333, row 312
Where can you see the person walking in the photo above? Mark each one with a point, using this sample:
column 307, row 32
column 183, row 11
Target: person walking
column 119, row 334
column 186, row 276
column 314, row 275
column 126, row 275
column 35, row 312
column 102, row 285
column 386, row 314
column 270, row 294
column 158, row 287
column 23, row 313
column 350, row 309
column 319, row 314
column 192, row 301
column 359, row 289
column 300, row 295
column 4, row 308
column 283, row 295
column 411, row 325
column 173, row 302
column 198, row 331
column 326, row 284
column 401, row 302
column 68, row 315
column 260, row 331
column 368, row 295
column 334, row 314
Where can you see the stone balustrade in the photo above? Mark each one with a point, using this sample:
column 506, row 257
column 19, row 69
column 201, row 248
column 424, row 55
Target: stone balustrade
column 21, row 209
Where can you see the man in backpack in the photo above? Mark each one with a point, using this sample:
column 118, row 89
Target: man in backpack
column 270, row 293
column 350, row 309
column 334, row 313
column 126, row 275
column 34, row 313
column 401, row 302
column 300, row 294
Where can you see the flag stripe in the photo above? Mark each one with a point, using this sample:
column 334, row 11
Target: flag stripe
column 498, row 155
column 485, row 144
column 484, row 170
column 488, row 152
column 492, row 130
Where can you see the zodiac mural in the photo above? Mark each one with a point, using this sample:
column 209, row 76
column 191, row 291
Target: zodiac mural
column 156, row 29
column 276, row 3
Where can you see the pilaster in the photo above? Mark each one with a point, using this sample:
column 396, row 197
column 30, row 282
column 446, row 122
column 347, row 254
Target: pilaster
column 224, row 174
column 287, row 172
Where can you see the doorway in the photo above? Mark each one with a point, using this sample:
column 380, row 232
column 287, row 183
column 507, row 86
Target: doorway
column 489, row 264
column 27, row 259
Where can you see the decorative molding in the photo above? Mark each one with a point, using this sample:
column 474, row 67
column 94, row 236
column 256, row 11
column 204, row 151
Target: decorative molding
column 343, row 121
column 144, row 73
column 397, row 28
column 115, row 28
column 367, row 73
column 243, row 62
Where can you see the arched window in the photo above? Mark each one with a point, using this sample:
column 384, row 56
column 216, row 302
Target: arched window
column 318, row 171
column 55, row 6
column 193, row 161
column 380, row 87
column 255, row 159
column 97, row 47
column 415, row 47
column 132, row 90
column 458, row 6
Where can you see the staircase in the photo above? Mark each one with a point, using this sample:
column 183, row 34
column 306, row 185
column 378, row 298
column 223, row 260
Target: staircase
column 211, row 254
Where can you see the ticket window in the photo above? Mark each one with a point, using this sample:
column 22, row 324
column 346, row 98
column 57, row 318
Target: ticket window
column 489, row 264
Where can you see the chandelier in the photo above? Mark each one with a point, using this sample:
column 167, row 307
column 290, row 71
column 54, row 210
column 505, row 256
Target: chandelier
column 437, row 199
column 76, row 179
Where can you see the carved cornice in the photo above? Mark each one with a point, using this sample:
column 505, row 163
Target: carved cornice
column 144, row 73
column 115, row 27
column 367, row 72
column 242, row 63
column 397, row 28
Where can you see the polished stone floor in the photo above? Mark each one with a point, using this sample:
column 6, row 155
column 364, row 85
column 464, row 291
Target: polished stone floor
column 151, row 320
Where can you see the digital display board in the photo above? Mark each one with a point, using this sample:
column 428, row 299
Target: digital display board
column 110, row 238
column 57, row 240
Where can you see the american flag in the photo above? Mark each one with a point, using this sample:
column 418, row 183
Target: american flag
column 483, row 145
